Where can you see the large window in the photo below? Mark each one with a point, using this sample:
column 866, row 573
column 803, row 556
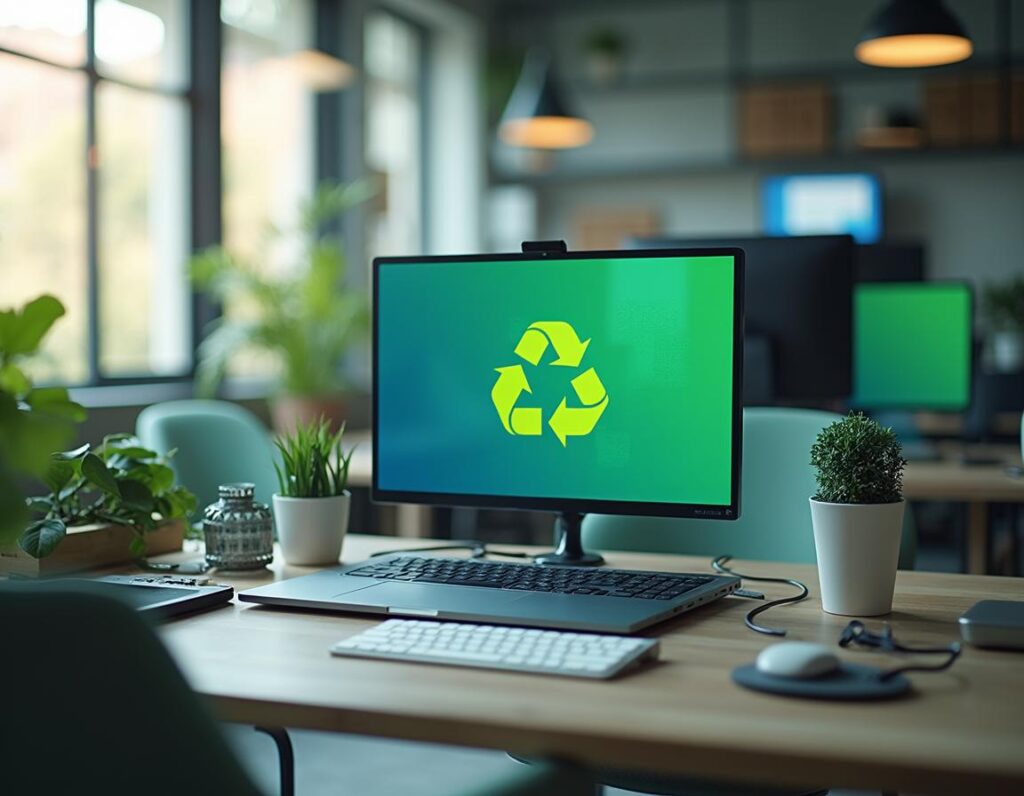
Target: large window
column 93, row 181
column 267, row 112
column 394, row 55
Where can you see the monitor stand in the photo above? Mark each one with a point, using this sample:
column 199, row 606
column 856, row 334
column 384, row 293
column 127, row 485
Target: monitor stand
column 570, row 552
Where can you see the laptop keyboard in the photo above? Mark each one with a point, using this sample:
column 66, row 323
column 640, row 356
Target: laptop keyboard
column 532, row 577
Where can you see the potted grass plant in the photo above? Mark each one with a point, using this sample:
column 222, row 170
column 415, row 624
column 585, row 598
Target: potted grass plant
column 857, row 515
column 312, row 508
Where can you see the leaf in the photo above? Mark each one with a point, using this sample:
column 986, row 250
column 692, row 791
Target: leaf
column 135, row 495
column 97, row 474
column 14, row 380
column 133, row 453
column 158, row 477
column 21, row 332
column 137, row 546
column 54, row 401
column 42, row 537
column 77, row 453
column 58, row 475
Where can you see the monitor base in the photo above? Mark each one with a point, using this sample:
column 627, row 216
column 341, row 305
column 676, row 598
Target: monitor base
column 570, row 552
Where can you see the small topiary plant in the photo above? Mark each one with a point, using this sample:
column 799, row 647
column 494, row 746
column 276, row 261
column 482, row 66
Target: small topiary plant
column 858, row 461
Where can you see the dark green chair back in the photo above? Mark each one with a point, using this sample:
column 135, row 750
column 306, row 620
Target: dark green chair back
column 92, row 703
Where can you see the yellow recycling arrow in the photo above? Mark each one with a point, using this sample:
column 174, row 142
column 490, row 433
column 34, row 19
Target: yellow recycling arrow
column 580, row 421
column 511, row 382
column 567, row 345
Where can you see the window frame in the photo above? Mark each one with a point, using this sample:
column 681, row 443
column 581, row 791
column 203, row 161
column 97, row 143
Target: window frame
column 201, row 95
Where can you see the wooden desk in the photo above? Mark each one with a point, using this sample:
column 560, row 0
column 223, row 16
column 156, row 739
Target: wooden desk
column 977, row 485
column 961, row 732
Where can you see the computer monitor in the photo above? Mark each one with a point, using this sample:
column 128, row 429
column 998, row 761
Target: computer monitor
column 912, row 346
column 890, row 262
column 823, row 204
column 574, row 382
column 799, row 301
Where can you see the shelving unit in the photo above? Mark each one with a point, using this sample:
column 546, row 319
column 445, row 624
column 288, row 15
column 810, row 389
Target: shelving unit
column 670, row 86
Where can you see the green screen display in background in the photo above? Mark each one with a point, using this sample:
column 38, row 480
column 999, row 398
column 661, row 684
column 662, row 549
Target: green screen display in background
column 912, row 345
column 648, row 401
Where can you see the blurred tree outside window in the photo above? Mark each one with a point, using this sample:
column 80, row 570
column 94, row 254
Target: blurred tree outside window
column 122, row 281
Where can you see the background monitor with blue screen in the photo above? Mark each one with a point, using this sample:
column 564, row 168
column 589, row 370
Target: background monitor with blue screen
column 823, row 204
column 912, row 345
column 572, row 382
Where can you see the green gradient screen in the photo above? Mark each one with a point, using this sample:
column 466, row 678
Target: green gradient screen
column 912, row 345
column 642, row 412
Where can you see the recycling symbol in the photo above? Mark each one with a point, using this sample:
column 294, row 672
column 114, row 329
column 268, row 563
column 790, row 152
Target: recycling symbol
column 566, row 421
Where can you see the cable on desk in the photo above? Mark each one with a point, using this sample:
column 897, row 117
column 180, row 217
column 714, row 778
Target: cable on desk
column 720, row 565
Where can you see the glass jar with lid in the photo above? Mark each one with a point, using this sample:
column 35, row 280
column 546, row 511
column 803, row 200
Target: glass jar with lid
column 239, row 531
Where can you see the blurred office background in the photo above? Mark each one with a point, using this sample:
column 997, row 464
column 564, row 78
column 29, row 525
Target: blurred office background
column 136, row 132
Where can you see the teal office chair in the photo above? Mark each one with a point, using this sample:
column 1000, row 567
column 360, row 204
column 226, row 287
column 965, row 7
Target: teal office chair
column 216, row 443
column 94, row 704
column 775, row 519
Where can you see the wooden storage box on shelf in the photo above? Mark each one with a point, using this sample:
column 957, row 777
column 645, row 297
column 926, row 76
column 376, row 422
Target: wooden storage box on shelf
column 91, row 546
column 785, row 120
column 963, row 111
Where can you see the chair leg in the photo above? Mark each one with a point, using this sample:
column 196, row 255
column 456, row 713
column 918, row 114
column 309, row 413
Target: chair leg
column 286, row 756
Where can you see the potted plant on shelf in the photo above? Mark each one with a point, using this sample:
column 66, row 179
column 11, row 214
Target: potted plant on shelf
column 303, row 316
column 311, row 510
column 857, row 515
column 1003, row 307
column 605, row 50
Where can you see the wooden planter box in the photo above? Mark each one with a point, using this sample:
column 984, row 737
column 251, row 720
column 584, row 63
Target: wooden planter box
column 89, row 547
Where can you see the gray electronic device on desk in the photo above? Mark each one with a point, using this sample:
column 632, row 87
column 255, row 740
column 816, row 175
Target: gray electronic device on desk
column 158, row 596
column 550, row 380
column 994, row 623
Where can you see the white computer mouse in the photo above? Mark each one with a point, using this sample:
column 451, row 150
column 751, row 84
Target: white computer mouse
column 799, row 660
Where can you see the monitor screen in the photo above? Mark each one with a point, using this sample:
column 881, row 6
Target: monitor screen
column 823, row 204
column 576, row 382
column 912, row 345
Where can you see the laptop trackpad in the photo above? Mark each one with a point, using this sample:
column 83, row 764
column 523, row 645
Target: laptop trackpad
column 432, row 597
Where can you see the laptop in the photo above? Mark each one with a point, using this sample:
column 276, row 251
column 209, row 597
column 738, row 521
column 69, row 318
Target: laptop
column 404, row 585
column 600, row 382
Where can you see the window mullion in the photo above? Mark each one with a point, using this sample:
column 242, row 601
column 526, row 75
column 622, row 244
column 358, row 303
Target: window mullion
column 92, row 197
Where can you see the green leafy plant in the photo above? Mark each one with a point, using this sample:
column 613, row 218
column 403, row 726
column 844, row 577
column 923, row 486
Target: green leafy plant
column 33, row 420
column 121, row 483
column 1003, row 304
column 858, row 461
column 606, row 41
column 303, row 315
column 312, row 464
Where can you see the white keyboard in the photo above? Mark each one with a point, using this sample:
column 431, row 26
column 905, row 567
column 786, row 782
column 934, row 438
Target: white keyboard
column 499, row 647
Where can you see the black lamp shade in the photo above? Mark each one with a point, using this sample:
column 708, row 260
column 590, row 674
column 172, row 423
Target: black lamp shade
column 536, row 115
column 913, row 33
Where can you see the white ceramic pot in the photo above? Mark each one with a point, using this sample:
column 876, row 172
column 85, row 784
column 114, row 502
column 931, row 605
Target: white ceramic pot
column 311, row 530
column 1008, row 352
column 858, row 549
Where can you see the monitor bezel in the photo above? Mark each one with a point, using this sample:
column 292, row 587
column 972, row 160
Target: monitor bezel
column 919, row 406
column 731, row 511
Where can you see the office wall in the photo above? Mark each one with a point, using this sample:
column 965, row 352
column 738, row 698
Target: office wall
column 968, row 211
column 666, row 133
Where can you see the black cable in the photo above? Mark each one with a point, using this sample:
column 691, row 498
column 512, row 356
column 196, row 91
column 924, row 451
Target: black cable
column 857, row 633
column 719, row 565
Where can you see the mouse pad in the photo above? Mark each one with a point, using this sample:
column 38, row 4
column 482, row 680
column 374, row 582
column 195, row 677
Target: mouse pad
column 851, row 682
